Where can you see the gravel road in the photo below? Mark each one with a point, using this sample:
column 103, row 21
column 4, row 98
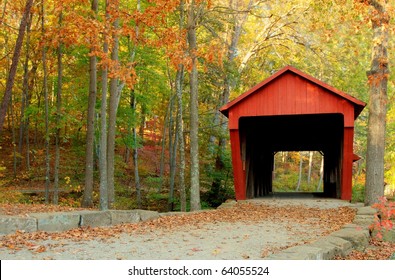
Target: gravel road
column 213, row 240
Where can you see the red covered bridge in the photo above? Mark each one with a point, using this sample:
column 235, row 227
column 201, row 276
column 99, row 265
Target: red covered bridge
column 291, row 111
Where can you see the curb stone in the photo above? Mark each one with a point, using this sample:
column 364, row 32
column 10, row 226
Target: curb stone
column 364, row 220
column 359, row 238
column 62, row 221
column 333, row 246
column 123, row 217
column 94, row 218
column 301, row 252
column 147, row 215
column 10, row 224
column 354, row 236
column 366, row 210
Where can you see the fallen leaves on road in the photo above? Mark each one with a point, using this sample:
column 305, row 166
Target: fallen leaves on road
column 328, row 220
column 275, row 249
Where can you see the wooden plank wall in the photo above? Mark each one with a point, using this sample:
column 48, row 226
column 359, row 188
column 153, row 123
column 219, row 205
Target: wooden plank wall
column 291, row 94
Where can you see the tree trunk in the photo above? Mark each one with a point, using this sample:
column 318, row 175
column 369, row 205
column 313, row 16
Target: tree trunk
column 112, row 117
column 180, row 124
column 162, row 154
column 135, row 153
column 194, row 106
column 311, row 153
column 284, row 156
column 172, row 154
column 14, row 64
column 180, row 138
column 103, row 129
column 300, row 171
column 36, row 117
column 321, row 175
column 142, row 122
column 25, row 91
column 136, row 170
column 90, row 132
column 58, row 117
column 11, row 113
column 46, row 105
column 378, row 80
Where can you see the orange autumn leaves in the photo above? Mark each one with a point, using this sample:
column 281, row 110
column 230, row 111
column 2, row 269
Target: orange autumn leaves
column 81, row 27
column 151, row 25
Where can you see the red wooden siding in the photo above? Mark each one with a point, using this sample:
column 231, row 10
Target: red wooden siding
column 291, row 95
column 238, row 170
column 348, row 156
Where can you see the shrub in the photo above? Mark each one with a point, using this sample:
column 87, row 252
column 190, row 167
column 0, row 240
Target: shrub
column 384, row 218
column 11, row 196
column 358, row 192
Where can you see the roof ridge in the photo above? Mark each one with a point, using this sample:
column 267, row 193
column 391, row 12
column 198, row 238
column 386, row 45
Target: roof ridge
column 358, row 103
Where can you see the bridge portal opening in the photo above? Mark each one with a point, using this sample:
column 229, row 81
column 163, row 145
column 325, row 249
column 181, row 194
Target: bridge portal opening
column 263, row 137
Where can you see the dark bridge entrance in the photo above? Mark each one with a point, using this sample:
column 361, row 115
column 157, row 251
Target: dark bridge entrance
column 291, row 111
column 262, row 137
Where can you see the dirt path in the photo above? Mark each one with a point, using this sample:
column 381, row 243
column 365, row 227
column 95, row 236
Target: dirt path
column 245, row 231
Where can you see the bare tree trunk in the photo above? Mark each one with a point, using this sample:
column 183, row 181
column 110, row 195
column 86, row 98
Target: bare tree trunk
column 378, row 83
column 311, row 153
column 167, row 124
column 58, row 116
column 180, row 138
column 300, row 171
column 90, row 131
column 112, row 117
column 36, row 119
column 13, row 136
column 162, row 155
column 284, row 156
column 173, row 169
column 135, row 154
column 172, row 154
column 194, row 106
column 321, row 175
column 134, row 131
column 46, row 105
column 136, row 170
column 14, row 64
column 142, row 122
column 103, row 129
column 25, row 91
column 180, row 124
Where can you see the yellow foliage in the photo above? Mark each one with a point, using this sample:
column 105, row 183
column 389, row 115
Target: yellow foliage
column 10, row 196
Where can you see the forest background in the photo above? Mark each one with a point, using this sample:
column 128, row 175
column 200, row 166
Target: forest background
column 114, row 104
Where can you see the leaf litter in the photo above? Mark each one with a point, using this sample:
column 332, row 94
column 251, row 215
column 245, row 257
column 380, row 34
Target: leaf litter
column 327, row 220
column 20, row 209
column 377, row 250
